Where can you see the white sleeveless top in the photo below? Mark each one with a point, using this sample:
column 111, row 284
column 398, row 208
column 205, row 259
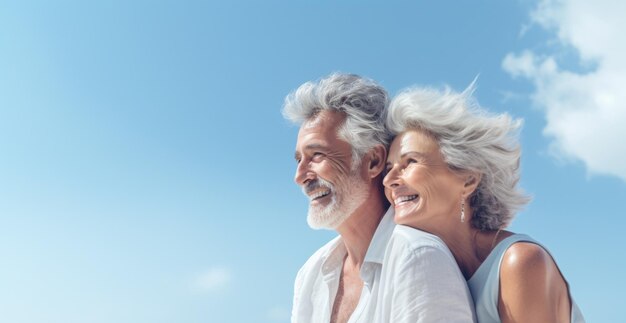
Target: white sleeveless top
column 485, row 283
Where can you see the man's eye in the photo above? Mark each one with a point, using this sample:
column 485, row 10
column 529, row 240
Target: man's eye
column 317, row 155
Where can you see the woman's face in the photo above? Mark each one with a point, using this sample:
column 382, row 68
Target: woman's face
column 419, row 184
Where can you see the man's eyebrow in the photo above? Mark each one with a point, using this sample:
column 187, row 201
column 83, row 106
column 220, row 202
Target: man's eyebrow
column 314, row 146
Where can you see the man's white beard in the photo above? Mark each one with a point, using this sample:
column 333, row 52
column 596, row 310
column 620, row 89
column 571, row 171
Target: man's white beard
column 347, row 196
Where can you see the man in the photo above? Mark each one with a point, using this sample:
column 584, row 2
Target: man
column 372, row 272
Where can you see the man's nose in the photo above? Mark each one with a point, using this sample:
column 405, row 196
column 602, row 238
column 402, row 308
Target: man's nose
column 303, row 173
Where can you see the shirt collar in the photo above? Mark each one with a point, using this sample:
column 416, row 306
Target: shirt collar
column 333, row 258
column 376, row 250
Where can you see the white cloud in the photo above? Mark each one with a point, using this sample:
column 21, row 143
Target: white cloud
column 214, row 279
column 585, row 112
column 278, row 314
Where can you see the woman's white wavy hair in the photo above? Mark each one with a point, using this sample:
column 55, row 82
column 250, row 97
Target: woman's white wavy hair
column 470, row 139
column 360, row 99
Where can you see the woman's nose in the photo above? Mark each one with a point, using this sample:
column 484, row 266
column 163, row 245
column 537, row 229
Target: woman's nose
column 392, row 179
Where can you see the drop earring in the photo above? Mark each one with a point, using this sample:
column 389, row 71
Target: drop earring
column 462, row 211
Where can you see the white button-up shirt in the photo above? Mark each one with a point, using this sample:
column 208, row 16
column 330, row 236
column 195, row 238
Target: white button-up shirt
column 408, row 275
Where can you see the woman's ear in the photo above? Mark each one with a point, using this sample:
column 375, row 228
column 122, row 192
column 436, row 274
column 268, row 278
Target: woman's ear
column 472, row 180
column 377, row 160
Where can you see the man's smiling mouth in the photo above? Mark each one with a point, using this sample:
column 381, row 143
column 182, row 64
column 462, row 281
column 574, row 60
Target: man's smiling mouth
column 319, row 195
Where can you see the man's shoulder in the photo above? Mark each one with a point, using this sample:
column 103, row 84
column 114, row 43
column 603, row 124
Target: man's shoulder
column 415, row 238
column 420, row 255
column 409, row 242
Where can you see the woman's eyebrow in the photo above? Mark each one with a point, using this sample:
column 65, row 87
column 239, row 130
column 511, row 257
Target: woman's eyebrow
column 413, row 153
column 408, row 153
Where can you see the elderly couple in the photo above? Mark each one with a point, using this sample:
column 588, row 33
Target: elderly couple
column 446, row 173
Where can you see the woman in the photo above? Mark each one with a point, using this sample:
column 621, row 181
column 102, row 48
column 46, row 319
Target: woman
column 453, row 171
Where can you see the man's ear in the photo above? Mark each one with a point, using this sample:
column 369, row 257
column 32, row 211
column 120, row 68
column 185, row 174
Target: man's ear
column 472, row 179
column 376, row 161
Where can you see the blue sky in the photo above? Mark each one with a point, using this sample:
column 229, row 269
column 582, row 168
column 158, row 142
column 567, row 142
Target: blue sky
column 146, row 170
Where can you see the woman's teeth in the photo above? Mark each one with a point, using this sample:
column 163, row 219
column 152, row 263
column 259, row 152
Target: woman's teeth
column 405, row 198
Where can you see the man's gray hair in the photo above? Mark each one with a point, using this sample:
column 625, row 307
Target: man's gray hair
column 470, row 139
column 360, row 99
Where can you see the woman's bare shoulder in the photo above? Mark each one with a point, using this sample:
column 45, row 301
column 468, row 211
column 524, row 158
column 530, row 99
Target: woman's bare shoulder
column 530, row 279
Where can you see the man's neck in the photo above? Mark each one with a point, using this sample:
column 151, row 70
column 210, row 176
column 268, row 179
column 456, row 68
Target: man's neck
column 358, row 229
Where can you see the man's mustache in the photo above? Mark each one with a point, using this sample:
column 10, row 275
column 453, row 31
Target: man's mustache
column 316, row 184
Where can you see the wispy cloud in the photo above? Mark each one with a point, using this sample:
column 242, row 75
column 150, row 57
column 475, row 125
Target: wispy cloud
column 214, row 279
column 585, row 111
column 278, row 314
